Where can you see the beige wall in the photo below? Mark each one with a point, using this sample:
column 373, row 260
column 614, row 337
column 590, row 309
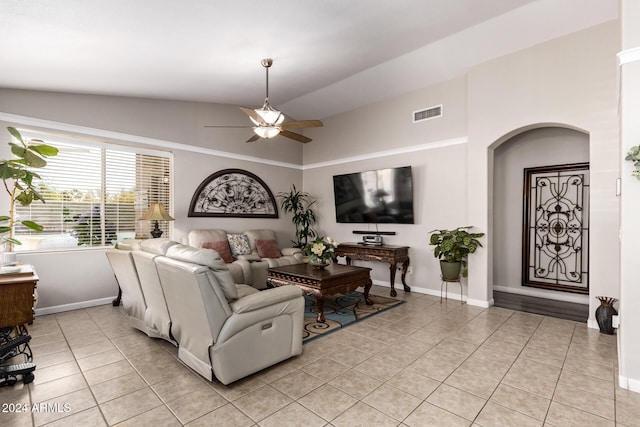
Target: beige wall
column 569, row 81
column 380, row 136
column 388, row 124
column 628, row 342
column 435, row 206
column 175, row 121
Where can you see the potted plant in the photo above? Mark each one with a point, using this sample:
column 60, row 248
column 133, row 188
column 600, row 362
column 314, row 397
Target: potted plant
column 633, row 155
column 18, row 178
column 299, row 204
column 452, row 248
column 321, row 251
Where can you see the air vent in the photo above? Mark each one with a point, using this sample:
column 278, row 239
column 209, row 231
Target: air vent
column 427, row 113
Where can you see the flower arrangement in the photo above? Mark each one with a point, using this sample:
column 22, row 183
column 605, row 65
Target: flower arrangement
column 322, row 248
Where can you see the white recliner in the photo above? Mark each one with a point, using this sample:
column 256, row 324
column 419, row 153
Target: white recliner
column 132, row 299
column 157, row 315
column 189, row 297
column 224, row 329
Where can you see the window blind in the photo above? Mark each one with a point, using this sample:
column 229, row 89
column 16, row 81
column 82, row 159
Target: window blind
column 94, row 194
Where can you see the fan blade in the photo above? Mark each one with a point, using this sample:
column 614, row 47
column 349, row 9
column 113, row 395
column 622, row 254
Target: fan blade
column 252, row 113
column 302, row 124
column 230, row 127
column 295, row 136
column 253, row 138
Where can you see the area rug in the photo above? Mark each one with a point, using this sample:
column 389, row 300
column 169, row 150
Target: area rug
column 341, row 310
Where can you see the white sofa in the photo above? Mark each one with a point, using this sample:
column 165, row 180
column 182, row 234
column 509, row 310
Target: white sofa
column 223, row 329
column 243, row 270
column 251, row 263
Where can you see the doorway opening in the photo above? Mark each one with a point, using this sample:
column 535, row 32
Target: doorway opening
column 553, row 255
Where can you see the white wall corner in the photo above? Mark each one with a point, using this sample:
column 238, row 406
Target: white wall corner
column 629, row 384
column 480, row 303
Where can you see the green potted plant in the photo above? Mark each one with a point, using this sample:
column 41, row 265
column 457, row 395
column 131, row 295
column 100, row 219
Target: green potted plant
column 452, row 248
column 633, row 155
column 299, row 204
column 18, row 178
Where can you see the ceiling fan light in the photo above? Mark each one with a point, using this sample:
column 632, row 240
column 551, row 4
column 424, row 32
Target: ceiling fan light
column 270, row 116
column 266, row 131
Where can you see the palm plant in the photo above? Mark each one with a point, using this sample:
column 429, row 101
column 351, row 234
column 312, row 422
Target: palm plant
column 18, row 178
column 299, row 204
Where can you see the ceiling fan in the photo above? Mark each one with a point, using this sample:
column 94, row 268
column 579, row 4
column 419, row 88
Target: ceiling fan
column 269, row 122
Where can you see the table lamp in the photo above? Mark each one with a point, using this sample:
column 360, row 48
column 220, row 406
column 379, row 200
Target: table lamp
column 156, row 212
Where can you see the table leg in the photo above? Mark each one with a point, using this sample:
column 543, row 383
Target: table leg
column 392, row 273
column 367, row 288
column 320, row 303
column 405, row 267
column 347, row 260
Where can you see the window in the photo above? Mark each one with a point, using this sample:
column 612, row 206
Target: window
column 94, row 194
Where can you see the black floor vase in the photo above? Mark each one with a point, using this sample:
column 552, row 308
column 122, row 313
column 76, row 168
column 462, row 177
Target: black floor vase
column 604, row 315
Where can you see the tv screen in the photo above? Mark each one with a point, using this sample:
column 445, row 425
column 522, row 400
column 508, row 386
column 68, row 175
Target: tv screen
column 377, row 196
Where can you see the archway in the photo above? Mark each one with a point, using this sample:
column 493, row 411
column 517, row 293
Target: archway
column 529, row 147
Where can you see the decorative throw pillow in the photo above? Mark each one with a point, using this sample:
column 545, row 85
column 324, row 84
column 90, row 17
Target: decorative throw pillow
column 239, row 244
column 222, row 247
column 267, row 248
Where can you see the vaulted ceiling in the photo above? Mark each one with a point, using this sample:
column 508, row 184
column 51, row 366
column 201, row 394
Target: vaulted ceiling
column 330, row 56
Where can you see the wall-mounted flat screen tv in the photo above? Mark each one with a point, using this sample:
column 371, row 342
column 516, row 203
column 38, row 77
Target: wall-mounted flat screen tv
column 377, row 196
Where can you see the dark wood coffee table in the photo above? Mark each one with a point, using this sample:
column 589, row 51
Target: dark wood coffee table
column 335, row 278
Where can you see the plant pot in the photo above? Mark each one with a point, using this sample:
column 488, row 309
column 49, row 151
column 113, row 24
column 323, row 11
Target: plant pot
column 9, row 258
column 450, row 270
column 604, row 315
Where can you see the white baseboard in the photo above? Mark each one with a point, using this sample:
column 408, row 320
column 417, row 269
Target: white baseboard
column 629, row 384
column 480, row 303
column 592, row 324
column 73, row 306
column 436, row 293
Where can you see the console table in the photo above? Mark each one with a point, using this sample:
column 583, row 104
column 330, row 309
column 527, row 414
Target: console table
column 17, row 296
column 391, row 254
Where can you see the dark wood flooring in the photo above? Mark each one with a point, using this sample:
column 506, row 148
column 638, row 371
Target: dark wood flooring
column 547, row 307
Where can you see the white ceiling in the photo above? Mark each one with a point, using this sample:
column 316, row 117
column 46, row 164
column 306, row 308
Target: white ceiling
column 330, row 56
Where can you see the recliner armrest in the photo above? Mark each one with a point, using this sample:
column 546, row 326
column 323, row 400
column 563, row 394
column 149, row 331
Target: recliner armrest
column 290, row 251
column 265, row 298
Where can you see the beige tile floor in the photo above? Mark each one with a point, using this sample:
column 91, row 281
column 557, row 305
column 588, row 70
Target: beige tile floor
column 421, row 364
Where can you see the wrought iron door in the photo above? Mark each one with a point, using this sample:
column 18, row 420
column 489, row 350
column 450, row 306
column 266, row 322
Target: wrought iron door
column 556, row 228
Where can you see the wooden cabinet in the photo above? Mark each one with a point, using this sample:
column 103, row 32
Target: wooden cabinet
column 17, row 297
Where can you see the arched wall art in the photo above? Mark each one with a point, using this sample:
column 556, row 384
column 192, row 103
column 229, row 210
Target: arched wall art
column 233, row 193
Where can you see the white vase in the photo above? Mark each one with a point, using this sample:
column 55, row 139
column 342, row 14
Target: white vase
column 8, row 258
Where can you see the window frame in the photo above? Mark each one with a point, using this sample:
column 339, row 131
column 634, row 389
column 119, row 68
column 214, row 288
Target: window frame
column 93, row 142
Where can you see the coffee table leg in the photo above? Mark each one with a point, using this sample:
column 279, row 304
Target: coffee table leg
column 320, row 303
column 367, row 288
